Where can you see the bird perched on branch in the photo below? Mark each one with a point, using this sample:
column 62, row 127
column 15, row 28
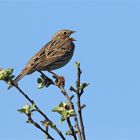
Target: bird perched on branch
column 55, row 54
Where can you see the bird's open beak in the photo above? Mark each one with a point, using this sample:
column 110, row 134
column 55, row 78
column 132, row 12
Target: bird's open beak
column 73, row 32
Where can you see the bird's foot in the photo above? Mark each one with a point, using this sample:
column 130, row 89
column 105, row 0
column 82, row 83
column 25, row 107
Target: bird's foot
column 59, row 80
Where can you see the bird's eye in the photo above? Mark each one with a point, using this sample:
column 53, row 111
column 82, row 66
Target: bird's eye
column 65, row 33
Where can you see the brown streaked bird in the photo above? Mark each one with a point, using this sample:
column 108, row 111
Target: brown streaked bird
column 55, row 54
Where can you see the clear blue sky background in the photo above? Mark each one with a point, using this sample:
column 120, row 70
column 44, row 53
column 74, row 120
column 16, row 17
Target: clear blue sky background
column 108, row 47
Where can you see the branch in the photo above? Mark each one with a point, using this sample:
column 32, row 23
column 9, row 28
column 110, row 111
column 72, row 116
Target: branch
column 61, row 84
column 44, row 81
column 37, row 108
column 71, row 128
column 39, row 127
column 69, row 99
column 79, row 93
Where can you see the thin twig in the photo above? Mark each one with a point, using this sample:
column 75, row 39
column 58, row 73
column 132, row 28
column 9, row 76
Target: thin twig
column 71, row 129
column 39, row 127
column 69, row 99
column 63, row 91
column 79, row 93
column 48, row 81
column 38, row 110
column 77, row 128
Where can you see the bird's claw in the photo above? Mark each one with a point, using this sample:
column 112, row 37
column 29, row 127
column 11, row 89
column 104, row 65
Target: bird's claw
column 59, row 80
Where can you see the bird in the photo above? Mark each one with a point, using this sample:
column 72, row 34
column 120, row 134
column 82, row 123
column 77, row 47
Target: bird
column 54, row 55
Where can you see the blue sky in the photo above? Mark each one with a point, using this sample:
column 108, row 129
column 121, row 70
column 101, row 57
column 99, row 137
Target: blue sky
column 108, row 47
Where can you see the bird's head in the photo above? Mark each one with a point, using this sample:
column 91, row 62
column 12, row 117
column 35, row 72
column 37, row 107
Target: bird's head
column 63, row 34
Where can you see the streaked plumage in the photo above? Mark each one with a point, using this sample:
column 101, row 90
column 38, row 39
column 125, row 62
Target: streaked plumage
column 55, row 54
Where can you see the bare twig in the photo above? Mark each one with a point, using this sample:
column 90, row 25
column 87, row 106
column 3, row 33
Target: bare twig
column 60, row 83
column 71, row 129
column 79, row 93
column 39, row 127
column 48, row 81
column 37, row 108
column 77, row 128
column 69, row 99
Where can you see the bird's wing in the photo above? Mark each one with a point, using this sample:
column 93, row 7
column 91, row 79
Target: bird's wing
column 50, row 53
column 60, row 52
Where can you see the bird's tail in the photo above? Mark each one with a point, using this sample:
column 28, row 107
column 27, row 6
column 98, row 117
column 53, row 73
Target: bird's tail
column 20, row 76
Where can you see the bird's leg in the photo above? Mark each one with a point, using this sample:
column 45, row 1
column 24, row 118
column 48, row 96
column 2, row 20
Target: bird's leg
column 59, row 80
column 46, row 79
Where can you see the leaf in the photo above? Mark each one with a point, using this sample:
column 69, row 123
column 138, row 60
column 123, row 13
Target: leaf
column 64, row 114
column 57, row 109
column 41, row 85
column 83, row 85
column 22, row 110
column 64, row 111
column 9, row 71
column 45, row 123
column 12, row 76
column 62, row 119
column 71, row 112
column 68, row 132
column 61, row 104
column 2, row 74
column 60, row 108
column 5, row 73
column 33, row 107
column 39, row 80
column 65, row 104
column 77, row 64
column 26, row 109
column 48, row 123
column 72, row 89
